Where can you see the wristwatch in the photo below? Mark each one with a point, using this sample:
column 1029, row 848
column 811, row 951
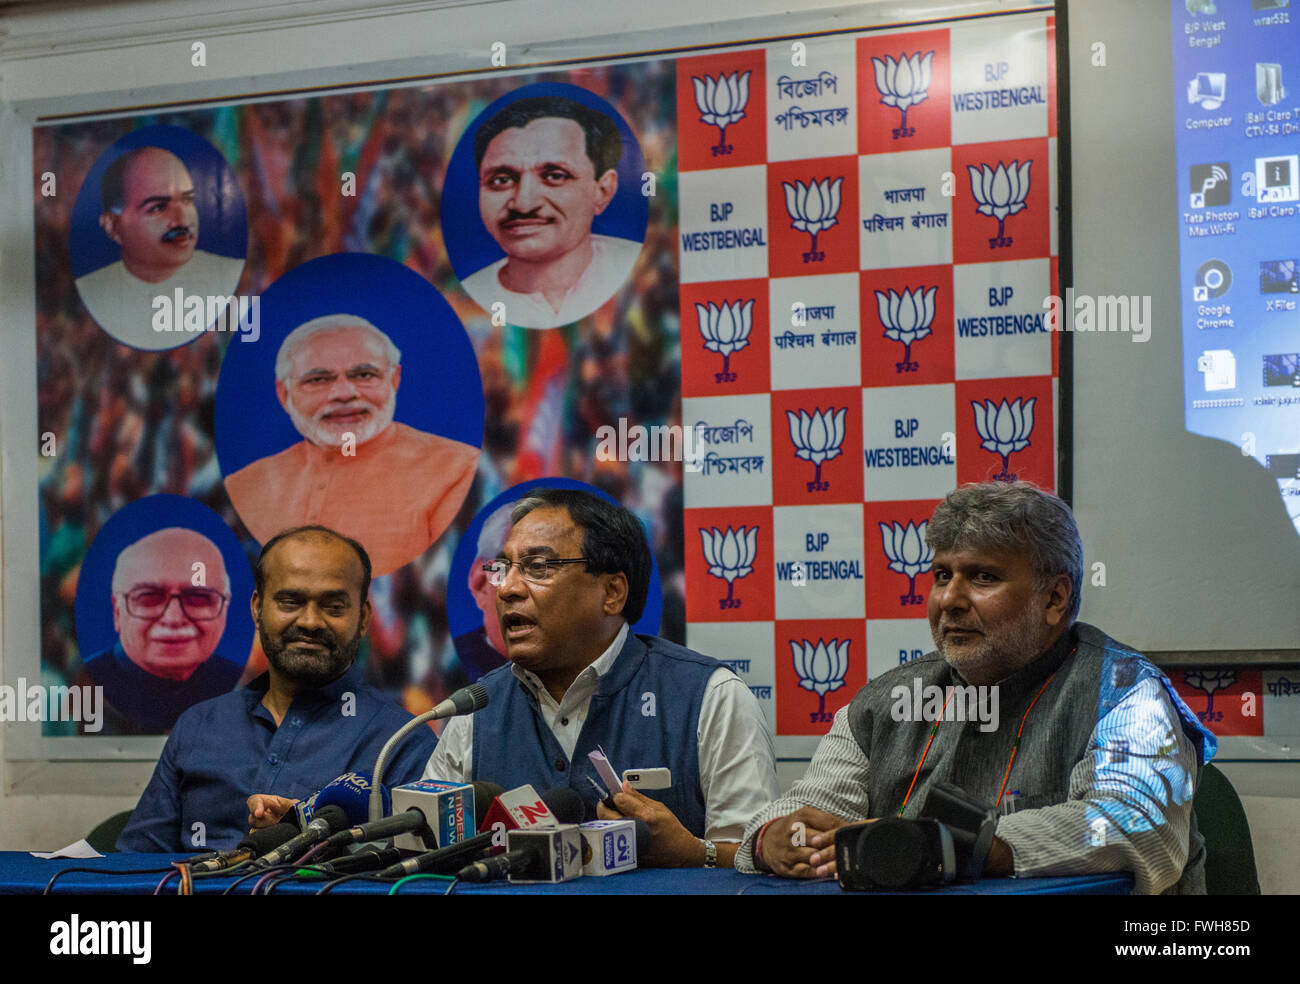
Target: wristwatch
column 710, row 853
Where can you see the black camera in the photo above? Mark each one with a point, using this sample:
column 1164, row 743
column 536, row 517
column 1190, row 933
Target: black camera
column 949, row 842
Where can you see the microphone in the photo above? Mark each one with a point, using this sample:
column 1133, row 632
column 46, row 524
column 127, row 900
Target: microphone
column 610, row 847
column 443, row 861
column 351, row 791
column 258, row 842
column 522, row 807
column 366, row 859
column 566, row 804
column 497, row 866
column 327, row 820
column 466, row 700
column 485, row 794
column 409, row 821
column 534, row 855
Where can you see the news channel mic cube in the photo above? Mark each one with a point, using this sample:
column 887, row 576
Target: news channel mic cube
column 608, row 847
column 447, row 806
column 555, row 854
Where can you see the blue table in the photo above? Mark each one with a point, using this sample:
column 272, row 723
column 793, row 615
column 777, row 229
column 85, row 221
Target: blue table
column 22, row 874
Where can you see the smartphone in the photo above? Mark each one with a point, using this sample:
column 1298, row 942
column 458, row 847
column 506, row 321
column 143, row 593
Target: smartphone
column 648, row 778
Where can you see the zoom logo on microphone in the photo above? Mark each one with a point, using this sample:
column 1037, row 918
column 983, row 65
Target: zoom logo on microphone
column 1212, row 280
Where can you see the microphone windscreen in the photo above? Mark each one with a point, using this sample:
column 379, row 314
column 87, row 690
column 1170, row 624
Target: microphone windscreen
column 351, row 792
column 642, row 837
column 333, row 817
column 566, row 804
column 470, row 699
column 269, row 838
column 484, row 793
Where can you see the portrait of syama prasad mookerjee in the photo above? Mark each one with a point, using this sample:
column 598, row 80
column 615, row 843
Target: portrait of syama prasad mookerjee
column 149, row 210
column 356, row 470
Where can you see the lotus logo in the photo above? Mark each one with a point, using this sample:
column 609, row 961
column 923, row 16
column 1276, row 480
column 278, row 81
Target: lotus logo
column 908, row 555
column 721, row 102
column 821, row 669
column 906, row 318
column 1209, row 681
column 817, row 438
column 1000, row 193
column 725, row 330
column 730, row 555
column 1004, row 429
column 813, row 209
column 902, row 84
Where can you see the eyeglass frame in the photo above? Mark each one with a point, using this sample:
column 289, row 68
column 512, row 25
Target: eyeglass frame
column 126, row 598
column 550, row 562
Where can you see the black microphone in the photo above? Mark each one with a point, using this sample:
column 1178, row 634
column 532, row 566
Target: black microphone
column 366, row 859
column 497, row 866
column 327, row 820
column 643, row 838
column 484, row 794
column 566, row 804
column 445, row 860
column 406, row 822
column 258, row 842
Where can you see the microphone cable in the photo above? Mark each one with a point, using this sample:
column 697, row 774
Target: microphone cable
column 451, row 879
column 367, row 875
column 49, row 885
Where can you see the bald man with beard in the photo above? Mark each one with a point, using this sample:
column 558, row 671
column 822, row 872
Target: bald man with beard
column 149, row 211
column 168, row 629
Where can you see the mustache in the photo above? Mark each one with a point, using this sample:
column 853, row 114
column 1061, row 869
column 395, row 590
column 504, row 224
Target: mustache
column 513, row 214
column 175, row 232
column 324, row 637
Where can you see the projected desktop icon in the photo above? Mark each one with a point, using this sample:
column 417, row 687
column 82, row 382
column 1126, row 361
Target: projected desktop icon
column 1219, row 368
column 1207, row 89
column 1269, row 4
column 1197, row 7
column 1282, row 370
column 1277, row 179
column 1212, row 280
column 1268, row 83
column 1211, row 185
column 1279, row 277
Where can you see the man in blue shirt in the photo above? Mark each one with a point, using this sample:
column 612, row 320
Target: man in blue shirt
column 308, row 719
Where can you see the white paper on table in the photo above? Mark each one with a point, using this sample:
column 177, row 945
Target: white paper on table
column 81, row 849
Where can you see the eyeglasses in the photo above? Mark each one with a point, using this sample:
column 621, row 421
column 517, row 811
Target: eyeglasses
column 200, row 604
column 535, row 569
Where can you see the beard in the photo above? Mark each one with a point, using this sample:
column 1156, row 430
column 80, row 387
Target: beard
column 309, row 668
column 1000, row 651
column 325, row 436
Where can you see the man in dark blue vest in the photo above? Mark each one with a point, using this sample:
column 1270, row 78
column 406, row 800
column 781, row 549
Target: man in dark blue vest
column 1081, row 744
column 571, row 579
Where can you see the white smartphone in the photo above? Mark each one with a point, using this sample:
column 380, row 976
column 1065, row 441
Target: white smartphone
column 648, row 778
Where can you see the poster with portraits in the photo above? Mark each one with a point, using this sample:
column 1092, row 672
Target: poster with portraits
column 777, row 299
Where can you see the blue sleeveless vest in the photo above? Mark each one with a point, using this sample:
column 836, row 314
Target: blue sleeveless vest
column 645, row 714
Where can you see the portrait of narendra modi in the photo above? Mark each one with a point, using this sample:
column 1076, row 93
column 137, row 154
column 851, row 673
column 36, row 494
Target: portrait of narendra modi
column 357, row 470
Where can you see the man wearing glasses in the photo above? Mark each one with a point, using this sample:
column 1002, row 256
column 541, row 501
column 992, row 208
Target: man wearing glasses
column 571, row 579
column 356, row 470
column 167, row 628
